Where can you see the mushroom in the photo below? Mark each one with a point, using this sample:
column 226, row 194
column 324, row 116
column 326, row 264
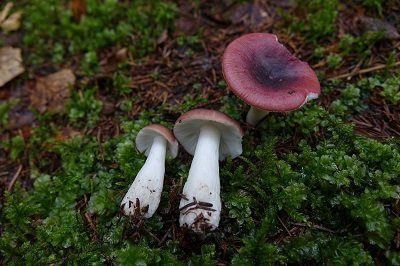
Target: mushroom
column 210, row 136
column 265, row 75
column 143, row 196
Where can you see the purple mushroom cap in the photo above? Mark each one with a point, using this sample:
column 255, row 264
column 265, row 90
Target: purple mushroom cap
column 264, row 74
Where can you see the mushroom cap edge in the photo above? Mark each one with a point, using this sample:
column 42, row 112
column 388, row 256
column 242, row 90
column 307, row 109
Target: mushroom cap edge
column 144, row 139
column 187, row 130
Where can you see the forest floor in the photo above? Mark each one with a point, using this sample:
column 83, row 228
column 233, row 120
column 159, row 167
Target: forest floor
column 319, row 185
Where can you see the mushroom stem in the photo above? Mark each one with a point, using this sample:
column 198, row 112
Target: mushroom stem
column 200, row 205
column 143, row 196
column 255, row 115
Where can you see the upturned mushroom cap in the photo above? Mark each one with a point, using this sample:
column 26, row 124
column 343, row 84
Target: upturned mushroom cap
column 264, row 74
column 187, row 130
column 144, row 139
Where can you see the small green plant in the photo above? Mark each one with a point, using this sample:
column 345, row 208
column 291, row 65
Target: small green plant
column 320, row 19
column 84, row 106
column 349, row 101
column 120, row 83
column 16, row 146
column 375, row 5
column 90, row 63
column 232, row 106
column 319, row 52
column 189, row 43
column 391, row 89
column 107, row 23
column 334, row 60
column 189, row 102
column 5, row 107
column 188, row 40
column 142, row 255
column 359, row 45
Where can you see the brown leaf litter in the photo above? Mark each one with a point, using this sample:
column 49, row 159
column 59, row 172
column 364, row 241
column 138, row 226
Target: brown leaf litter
column 51, row 92
column 78, row 8
column 12, row 22
column 10, row 64
column 369, row 24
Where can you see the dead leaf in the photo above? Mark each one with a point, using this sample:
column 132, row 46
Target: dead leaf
column 20, row 118
column 163, row 37
column 285, row 4
column 121, row 54
column 6, row 10
column 250, row 14
column 78, row 8
column 376, row 25
column 51, row 92
column 13, row 22
column 67, row 133
column 187, row 25
column 10, row 64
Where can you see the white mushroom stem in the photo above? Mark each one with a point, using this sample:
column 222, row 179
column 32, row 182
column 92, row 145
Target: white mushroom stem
column 200, row 206
column 143, row 197
column 255, row 115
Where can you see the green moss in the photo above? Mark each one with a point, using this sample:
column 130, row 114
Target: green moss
column 359, row 45
column 391, row 89
column 373, row 5
column 5, row 107
column 83, row 108
column 334, row 61
column 142, row 255
column 108, row 23
column 306, row 190
column 319, row 22
column 16, row 146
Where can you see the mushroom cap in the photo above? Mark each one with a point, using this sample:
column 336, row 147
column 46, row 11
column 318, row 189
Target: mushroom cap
column 187, row 131
column 146, row 135
column 264, row 74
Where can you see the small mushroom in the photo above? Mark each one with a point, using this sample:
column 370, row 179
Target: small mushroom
column 265, row 75
column 210, row 136
column 143, row 196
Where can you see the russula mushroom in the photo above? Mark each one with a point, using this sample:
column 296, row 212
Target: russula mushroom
column 210, row 136
column 143, row 196
column 265, row 75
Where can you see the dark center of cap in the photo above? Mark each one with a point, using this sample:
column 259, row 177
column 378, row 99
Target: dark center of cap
column 271, row 70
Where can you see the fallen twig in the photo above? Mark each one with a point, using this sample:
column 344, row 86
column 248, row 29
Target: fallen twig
column 15, row 177
column 363, row 71
column 284, row 226
column 164, row 238
column 316, row 227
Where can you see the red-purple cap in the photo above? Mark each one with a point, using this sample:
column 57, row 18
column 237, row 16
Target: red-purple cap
column 264, row 74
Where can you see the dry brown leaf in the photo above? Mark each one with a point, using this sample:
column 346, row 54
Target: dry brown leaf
column 6, row 10
column 377, row 25
column 51, row 92
column 10, row 64
column 67, row 133
column 20, row 118
column 163, row 37
column 13, row 22
column 247, row 13
column 78, row 8
column 121, row 54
